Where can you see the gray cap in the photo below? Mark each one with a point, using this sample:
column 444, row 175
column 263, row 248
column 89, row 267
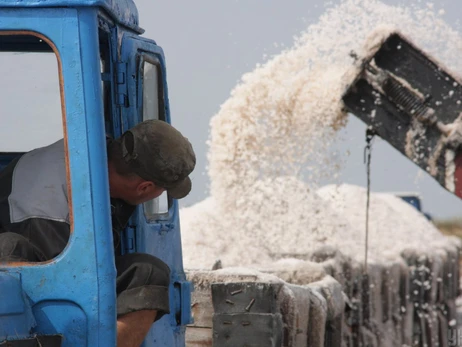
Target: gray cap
column 158, row 152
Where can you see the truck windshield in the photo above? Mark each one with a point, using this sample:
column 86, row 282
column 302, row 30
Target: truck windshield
column 30, row 102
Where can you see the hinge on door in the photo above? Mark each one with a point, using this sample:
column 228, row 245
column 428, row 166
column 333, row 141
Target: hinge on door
column 162, row 227
column 166, row 227
column 121, row 84
column 129, row 239
column 182, row 301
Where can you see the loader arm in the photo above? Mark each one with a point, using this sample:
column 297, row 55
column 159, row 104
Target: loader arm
column 415, row 105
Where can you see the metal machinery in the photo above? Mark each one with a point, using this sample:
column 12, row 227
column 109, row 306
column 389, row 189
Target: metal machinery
column 413, row 103
column 105, row 68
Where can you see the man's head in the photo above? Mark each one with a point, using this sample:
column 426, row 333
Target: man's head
column 149, row 159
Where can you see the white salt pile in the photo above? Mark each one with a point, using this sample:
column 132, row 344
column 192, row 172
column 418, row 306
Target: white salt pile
column 280, row 218
column 394, row 225
column 303, row 222
column 269, row 147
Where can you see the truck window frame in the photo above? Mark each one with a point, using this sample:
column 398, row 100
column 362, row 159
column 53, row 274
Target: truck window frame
column 35, row 48
column 151, row 208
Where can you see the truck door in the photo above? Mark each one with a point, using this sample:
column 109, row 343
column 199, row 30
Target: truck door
column 49, row 81
column 141, row 94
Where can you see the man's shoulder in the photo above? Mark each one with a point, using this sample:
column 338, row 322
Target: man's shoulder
column 55, row 149
column 44, row 163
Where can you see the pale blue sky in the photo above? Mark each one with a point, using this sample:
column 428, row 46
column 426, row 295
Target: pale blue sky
column 210, row 44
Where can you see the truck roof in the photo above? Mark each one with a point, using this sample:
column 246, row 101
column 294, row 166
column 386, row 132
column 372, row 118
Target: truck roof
column 124, row 12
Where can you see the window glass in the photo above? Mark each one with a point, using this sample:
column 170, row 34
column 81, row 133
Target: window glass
column 105, row 66
column 31, row 114
column 156, row 206
column 150, row 91
column 153, row 109
column 30, row 100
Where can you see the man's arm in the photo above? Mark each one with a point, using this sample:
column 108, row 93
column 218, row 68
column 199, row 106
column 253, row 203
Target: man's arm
column 132, row 328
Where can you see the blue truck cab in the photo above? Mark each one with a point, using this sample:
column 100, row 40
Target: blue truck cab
column 107, row 79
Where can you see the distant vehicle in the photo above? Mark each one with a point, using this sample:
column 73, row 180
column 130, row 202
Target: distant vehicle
column 415, row 200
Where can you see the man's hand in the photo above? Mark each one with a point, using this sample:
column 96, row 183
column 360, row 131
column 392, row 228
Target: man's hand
column 133, row 327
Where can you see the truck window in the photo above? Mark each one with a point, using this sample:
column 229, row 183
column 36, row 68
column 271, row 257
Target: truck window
column 150, row 91
column 30, row 100
column 153, row 108
column 106, row 72
column 32, row 117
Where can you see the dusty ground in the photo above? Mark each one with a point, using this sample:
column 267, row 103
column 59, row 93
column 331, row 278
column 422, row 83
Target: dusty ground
column 450, row 227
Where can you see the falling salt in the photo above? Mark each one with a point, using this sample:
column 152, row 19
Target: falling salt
column 270, row 149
